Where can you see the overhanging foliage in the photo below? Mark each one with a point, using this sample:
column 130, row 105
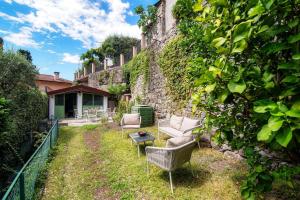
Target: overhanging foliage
column 246, row 66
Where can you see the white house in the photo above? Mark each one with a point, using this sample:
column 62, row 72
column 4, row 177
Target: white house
column 64, row 102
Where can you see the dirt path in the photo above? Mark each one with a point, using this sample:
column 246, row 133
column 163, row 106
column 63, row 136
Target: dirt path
column 75, row 172
column 91, row 140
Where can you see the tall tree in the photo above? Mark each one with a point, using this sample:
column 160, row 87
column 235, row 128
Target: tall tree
column 26, row 54
column 22, row 107
column 115, row 45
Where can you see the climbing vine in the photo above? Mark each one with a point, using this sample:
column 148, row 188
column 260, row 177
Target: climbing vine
column 246, row 58
column 138, row 66
column 103, row 76
column 147, row 17
column 173, row 61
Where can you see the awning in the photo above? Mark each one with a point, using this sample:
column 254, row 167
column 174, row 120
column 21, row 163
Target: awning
column 79, row 88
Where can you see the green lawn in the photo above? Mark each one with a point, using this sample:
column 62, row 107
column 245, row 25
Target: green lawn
column 96, row 163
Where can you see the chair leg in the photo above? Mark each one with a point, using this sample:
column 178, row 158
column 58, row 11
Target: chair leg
column 171, row 182
column 191, row 169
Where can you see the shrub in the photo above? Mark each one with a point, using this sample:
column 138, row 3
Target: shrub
column 22, row 107
column 246, row 77
column 123, row 107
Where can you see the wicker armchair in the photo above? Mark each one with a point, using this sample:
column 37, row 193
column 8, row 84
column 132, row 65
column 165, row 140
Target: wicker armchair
column 130, row 121
column 170, row 159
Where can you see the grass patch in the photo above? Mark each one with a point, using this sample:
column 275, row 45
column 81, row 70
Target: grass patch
column 112, row 167
column 127, row 173
column 70, row 174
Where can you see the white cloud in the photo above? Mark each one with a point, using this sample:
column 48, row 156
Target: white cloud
column 51, row 51
column 4, row 31
column 81, row 20
column 22, row 38
column 69, row 58
column 10, row 18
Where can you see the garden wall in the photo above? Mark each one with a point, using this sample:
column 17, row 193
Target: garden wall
column 103, row 78
column 155, row 93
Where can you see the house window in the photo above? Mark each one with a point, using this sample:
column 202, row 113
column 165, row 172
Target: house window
column 98, row 100
column 87, row 99
column 59, row 100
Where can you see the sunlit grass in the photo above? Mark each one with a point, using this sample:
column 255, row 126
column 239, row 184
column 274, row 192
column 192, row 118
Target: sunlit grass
column 77, row 171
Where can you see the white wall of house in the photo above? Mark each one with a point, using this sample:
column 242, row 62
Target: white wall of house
column 51, row 106
column 105, row 103
column 79, row 103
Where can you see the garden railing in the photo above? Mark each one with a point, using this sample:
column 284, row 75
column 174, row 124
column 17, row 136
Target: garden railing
column 23, row 186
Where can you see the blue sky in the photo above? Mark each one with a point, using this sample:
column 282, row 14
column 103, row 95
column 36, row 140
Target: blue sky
column 57, row 32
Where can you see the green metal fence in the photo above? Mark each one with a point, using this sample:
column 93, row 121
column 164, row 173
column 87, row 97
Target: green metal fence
column 23, row 186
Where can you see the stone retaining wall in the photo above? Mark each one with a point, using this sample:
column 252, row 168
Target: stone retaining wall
column 103, row 78
column 155, row 93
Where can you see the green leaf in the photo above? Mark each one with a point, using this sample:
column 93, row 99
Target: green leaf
column 267, row 3
column 220, row 2
column 282, row 107
column 280, row 110
column 223, row 96
column 269, row 85
column 241, row 31
column 284, row 137
column 257, row 10
column 198, row 6
column 275, row 47
column 263, row 29
column 275, row 123
column 210, row 88
column 264, row 134
column 293, row 113
column 289, row 65
column 295, row 110
column 289, row 92
column 277, row 113
column 294, row 38
column 240, row 46
column 218, row 42
column 296, row 106
column 215, row 71
column 263, row 106
column 293, row 23
column 267, row 76
column 238, row 87
column 296, row 56
column 290, row 79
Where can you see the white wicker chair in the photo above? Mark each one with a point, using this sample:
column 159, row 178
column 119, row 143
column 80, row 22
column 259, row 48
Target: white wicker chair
column 170, row 159
column 135, row 125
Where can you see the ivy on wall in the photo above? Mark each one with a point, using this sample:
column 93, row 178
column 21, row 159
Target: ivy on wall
column 173, row 61
column 103, row 76
column 138, row 66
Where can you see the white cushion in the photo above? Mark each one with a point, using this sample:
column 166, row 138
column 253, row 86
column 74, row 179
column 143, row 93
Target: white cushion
column 171, row 131
column 189, row 123
column 178, row 141
column 175, row 122
column 130, row 126
column 131, row 119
